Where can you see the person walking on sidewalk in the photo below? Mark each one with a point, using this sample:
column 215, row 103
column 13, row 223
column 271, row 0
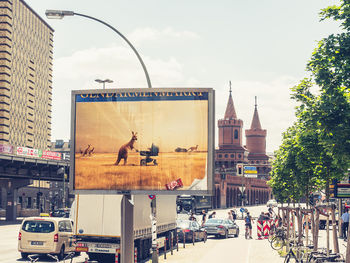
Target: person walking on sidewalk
column 248, row 224
column 204, row 217
column 345, row 223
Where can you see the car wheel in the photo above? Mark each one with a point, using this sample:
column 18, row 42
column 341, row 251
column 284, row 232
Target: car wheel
column 61, row 254
column 226, row 234
column 24, row 255
column 237, row 233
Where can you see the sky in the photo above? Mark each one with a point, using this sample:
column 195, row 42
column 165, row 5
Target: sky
column 261, row 46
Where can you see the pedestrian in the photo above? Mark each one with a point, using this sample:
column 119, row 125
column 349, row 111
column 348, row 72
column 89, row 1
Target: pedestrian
column 345, row 223
column 230, row 217
column 248, row 224
column 192, row 217
column 261, row 217
column 234, row 215
column 212, row 215
column 204, row 217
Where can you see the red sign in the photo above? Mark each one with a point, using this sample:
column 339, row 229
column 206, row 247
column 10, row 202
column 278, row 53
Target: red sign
column 151, row 197
column 51, row 155
column 174, row 184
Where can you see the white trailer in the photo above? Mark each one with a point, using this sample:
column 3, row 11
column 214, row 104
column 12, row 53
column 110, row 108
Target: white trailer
column 97, row 223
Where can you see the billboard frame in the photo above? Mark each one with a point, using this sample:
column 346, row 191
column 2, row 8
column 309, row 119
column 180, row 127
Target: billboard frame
column 210, row 142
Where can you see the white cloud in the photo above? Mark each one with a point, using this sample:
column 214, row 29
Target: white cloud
column 151, row 34
column 78, row 71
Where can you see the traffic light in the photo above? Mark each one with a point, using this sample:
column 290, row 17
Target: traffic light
column 239, row 169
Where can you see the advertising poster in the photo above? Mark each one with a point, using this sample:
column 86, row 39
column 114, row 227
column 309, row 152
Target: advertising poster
column 142, row 140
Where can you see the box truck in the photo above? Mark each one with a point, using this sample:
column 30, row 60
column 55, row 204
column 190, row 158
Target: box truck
column 97, row 224
column 193, row 204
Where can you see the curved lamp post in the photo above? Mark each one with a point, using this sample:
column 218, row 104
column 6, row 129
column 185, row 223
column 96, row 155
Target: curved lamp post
column 59, row 14
column 104, row 81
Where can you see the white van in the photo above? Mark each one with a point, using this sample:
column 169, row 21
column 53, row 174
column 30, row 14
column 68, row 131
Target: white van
column 46, row 235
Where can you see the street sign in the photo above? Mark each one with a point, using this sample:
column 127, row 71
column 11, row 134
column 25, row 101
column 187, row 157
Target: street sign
column 242, row 189
column 151, row 197
column 250, row 170
column 242, row 210
column 340, row 190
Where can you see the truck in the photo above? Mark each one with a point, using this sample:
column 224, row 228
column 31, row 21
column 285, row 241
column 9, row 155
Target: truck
column 195, row 204
column 97, row 224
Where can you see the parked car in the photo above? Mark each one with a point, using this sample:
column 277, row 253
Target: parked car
column 46, row 235
column 63, row 212
column 221, row 227
column 271, row 203
column 188, row 230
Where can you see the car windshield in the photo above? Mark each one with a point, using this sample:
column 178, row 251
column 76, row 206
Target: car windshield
column 214, row 221
column 183, row 224
column 38, row 226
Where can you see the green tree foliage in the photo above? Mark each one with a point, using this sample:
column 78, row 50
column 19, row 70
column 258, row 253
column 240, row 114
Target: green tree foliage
column 317, row 147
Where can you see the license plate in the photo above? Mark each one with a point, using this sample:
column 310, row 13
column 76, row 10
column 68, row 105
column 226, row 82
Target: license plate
column 37, row 243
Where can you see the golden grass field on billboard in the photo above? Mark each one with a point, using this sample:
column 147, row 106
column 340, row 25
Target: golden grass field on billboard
column 142, row 140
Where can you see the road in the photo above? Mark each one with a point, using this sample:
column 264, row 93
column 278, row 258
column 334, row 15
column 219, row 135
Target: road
column 214, row 250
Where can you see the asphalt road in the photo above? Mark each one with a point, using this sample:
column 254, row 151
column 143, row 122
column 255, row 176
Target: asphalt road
column 214, row 250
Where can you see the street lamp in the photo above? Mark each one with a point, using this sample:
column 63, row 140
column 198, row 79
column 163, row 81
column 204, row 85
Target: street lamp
column 59, row 14
column 104, row 81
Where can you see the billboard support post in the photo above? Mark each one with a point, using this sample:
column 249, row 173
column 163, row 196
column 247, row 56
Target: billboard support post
column 127, row 226
column 154, row 230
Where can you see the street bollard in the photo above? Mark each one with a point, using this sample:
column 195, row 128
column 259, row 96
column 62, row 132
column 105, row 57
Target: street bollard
column 177, row 241
column 165, row 248
column 171, row 242
column 184, row 238
column 192, row 238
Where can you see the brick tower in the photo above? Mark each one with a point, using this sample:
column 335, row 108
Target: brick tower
column 256, row 145
column 230, row 149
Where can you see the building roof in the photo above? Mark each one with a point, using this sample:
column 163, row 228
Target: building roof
column 230, row 112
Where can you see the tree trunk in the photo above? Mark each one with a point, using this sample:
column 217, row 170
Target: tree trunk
column 288, row 228
column 307, row 229
column 327, row 233
column 313, row 227
column 300, row 225
column 335, row 236
column 348, row 248
column 317, row 228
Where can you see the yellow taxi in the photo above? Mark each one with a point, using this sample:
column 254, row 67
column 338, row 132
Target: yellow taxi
column 46, row 235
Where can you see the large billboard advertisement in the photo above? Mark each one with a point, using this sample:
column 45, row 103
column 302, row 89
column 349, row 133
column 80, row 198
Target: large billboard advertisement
column 143, row 141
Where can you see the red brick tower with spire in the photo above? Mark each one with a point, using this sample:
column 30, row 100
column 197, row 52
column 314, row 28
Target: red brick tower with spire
column 230, row 149
column 256, row 144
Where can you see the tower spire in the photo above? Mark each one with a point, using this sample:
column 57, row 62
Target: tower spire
column 256, row 121
column 230, row 112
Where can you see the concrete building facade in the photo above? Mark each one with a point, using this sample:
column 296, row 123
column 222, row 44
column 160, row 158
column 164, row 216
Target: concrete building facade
column 26, row 43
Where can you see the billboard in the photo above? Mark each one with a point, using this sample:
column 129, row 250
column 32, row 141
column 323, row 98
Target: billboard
column 143, row 141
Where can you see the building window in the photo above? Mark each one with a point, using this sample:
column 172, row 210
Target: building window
column 220, row 155
column 236, row 134
column 232, row 156
column 239, row 156
column 226, row 155
column 257, row 161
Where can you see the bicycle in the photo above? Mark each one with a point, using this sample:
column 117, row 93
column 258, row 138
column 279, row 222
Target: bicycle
column 295, row 257
column 69, row 256
column 32, row 259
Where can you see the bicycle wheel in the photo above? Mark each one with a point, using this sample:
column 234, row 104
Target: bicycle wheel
column 277, row 243
column 290, row 259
